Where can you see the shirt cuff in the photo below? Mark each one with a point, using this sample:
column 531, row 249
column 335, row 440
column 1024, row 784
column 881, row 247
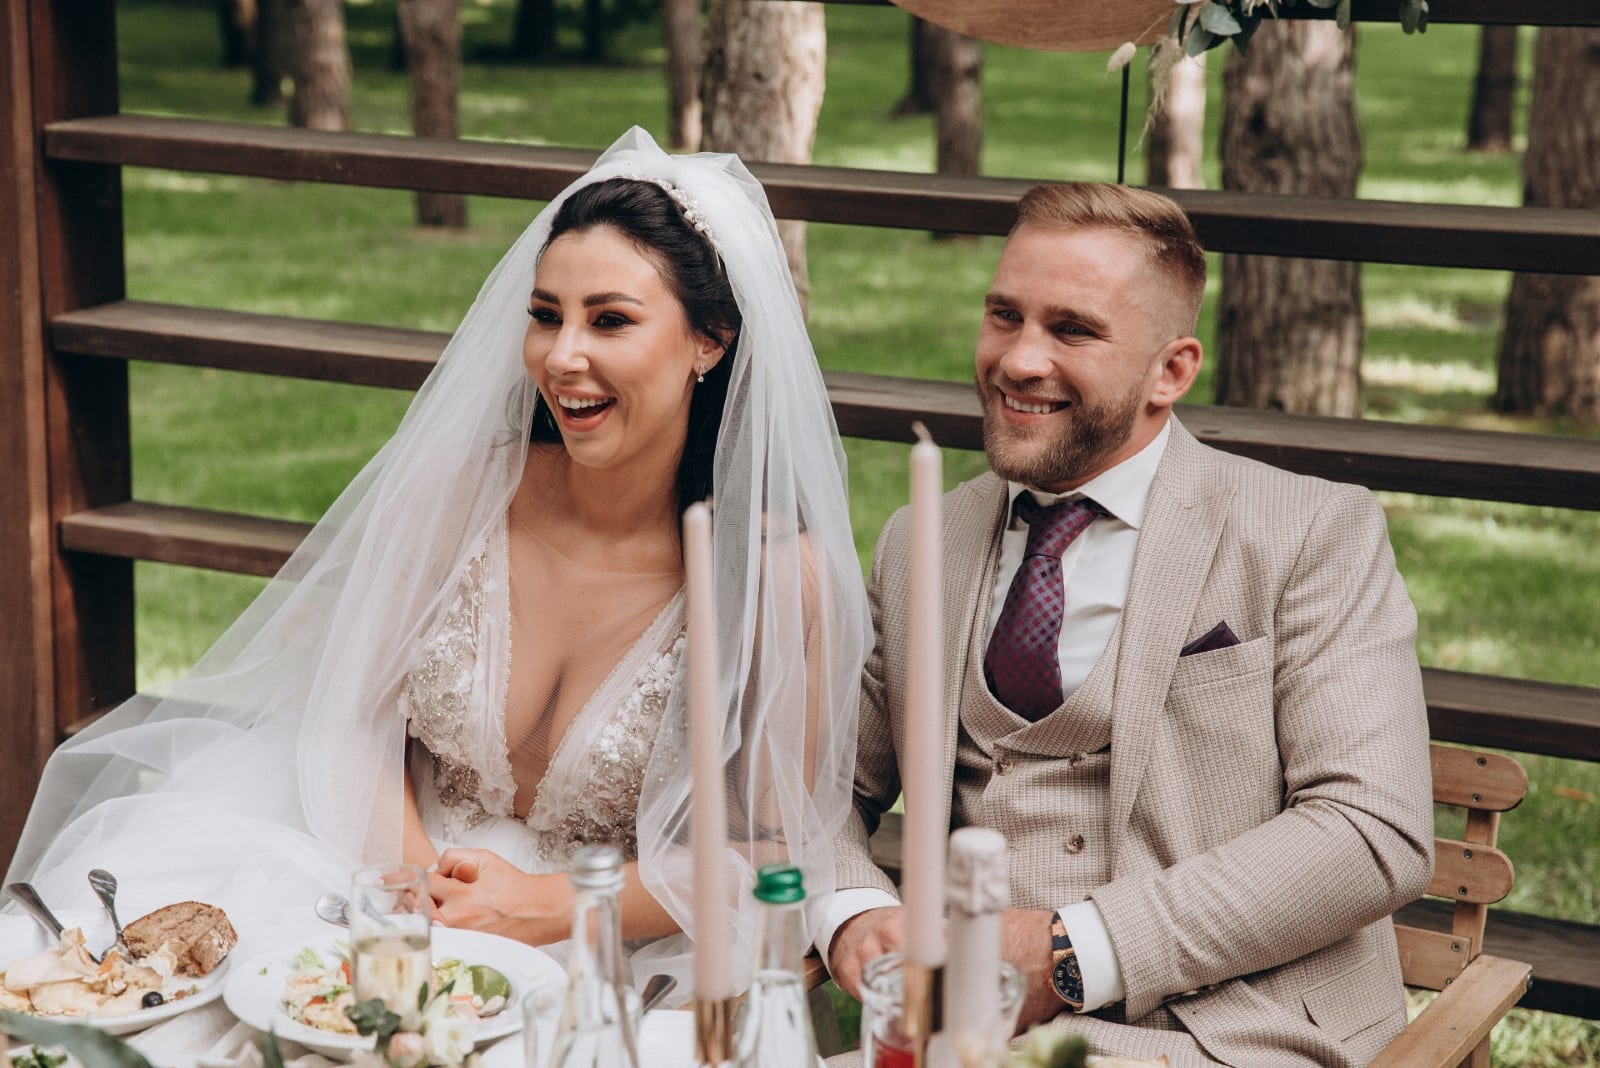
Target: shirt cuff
column 1102, row 975
column 843, row 905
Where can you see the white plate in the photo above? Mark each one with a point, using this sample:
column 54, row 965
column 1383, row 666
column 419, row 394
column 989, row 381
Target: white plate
column 668, row 1035
column 254, row 991
column 97, row 933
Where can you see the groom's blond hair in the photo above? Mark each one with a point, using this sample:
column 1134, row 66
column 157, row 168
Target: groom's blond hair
column 1150, row 217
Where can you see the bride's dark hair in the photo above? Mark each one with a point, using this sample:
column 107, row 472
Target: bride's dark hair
column 648, row 216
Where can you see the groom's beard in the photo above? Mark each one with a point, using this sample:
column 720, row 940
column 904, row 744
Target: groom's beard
column 1085, row 436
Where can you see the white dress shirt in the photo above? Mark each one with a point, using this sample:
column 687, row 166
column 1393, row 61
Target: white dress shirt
column 1095, row 571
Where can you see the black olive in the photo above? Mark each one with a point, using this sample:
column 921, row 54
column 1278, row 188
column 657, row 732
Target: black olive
column 152, row 999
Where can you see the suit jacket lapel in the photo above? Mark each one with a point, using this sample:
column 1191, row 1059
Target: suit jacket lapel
column 1177, row 542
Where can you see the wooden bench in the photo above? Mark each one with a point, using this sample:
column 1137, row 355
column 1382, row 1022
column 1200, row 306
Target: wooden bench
column 1470, row 874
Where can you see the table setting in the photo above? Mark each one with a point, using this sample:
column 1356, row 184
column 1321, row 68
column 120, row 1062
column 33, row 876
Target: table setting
column 375, row 981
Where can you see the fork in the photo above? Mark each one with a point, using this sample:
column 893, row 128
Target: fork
column 25, row 895
column 105, row 888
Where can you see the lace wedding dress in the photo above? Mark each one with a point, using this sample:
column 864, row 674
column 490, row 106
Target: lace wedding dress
column 455, row 698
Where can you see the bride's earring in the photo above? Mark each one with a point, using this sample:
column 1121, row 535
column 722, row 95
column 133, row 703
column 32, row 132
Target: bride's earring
column 701, row 372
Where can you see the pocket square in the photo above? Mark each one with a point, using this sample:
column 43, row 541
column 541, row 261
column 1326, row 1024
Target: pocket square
column 1218, row 637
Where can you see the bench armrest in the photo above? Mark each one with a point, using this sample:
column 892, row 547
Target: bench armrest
column 1460, row 1017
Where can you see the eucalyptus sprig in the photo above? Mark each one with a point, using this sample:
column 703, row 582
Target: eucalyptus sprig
column 1204, row 24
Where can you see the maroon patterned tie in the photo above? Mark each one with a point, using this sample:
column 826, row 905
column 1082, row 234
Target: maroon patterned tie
column 1023, row 663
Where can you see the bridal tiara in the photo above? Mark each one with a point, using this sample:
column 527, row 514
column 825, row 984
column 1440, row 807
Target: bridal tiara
column 692, row 212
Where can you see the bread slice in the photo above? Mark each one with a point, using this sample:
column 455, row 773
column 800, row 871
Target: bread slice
column 199, row 935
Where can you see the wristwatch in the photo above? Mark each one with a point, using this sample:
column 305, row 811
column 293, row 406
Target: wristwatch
column 1065, row 976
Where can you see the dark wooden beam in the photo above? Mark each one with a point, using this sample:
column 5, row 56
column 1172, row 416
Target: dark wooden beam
column 242, row 341
column 1550, row 240
column 1517, row 714
column 1440, row 461
column 1563, row 953
column 79, row 219
column 1489, row 710
column 27, row 685
column 191, row 537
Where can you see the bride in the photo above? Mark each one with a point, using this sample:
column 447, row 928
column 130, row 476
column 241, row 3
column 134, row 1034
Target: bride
column 474, row 661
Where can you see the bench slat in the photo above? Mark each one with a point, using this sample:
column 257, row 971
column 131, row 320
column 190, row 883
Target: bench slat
column 1466, row 871
column 1430, row 959
column 1520, row 468
column 1458, row 1019
column 1477, row 780
column 1551, row 240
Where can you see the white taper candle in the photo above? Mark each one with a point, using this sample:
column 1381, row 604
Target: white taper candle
column 922, row 886
column 708, row 825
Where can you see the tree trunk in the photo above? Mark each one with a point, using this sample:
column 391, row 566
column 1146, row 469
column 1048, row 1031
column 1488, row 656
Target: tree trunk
column 1489, row 125
column 594, row 31
column 236, row 19
column 266, row 67
column 955, row 75
column 432, row 32
column 533, row 37
column 1289, row 330
column 761, row 93
column 320, row 64
column 1175, row 133
column 1550, row 349
column 682, row 19
column 919, row 94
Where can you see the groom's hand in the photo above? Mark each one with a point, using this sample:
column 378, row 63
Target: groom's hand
column 859, row 939
column 1025, row 942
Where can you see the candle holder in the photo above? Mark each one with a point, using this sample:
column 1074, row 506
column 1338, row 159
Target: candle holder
column 897, row 1020
column 713, row 1031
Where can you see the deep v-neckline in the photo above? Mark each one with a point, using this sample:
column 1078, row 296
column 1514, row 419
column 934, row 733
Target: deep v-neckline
column 651, row 642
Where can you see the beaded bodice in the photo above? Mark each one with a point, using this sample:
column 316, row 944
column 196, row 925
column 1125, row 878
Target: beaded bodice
column 454, row 697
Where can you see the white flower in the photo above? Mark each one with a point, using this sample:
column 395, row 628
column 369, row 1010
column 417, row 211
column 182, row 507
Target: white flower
column 407, row 1049
column 1122, row 56
column 449, row 1038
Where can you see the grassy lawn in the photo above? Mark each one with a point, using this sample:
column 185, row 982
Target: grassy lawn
column 1499, row 588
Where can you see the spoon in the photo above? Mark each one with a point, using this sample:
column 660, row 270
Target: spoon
column 105, row 888
column 25, row 895
column 335, row 909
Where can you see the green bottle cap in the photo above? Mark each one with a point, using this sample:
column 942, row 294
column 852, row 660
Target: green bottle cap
column 780, row 884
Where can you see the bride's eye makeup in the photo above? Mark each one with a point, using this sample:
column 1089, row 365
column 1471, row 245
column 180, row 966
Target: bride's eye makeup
column 611, row 320
column 544, row 316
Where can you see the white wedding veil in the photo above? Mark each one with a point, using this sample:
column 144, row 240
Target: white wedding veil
column 274, row 768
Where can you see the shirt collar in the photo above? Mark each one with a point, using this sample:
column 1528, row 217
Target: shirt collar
column 1124, row 490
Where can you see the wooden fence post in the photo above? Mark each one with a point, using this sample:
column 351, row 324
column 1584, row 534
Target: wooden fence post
column 66, row 620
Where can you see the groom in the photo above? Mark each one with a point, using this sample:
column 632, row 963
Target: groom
column 1181, row 683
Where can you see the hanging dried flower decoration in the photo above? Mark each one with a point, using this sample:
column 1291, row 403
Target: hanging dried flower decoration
column 1201, row 25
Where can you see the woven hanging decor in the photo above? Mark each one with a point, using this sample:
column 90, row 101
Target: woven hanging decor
column 1054, row 25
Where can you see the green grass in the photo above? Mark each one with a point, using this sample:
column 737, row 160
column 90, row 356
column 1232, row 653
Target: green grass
column 1499, row 588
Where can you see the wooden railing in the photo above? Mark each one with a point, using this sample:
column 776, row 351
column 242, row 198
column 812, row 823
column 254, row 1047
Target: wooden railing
column 70, row 530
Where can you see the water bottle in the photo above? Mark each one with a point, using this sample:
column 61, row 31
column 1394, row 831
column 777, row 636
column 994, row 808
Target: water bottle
column 773, row 1029
column 599, row 1025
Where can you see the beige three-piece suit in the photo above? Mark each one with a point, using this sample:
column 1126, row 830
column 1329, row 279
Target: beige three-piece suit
column 1246, row 818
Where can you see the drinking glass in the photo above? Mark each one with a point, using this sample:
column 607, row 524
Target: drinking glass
column 883, row 1039
column 391, row 915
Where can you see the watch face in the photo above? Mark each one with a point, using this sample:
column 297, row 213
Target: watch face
column 1068, row 980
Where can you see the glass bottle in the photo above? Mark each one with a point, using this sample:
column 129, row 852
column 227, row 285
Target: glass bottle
column 599, row 1026
column 773, row 1029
